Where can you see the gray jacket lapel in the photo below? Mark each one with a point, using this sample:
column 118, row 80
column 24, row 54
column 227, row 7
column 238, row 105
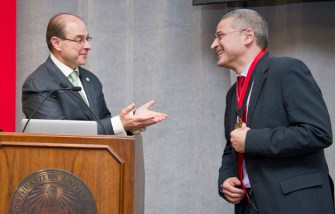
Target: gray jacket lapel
column 60, row 78
column 89, row 89
column 56, row 74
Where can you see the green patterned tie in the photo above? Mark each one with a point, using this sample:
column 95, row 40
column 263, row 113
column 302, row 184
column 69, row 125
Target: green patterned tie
column 74, row 80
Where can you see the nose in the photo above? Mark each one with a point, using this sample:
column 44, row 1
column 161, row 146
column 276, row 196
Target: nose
column 87, row 45
column 215, row 43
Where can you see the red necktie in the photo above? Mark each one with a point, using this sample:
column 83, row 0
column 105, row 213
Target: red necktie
column 240, row 156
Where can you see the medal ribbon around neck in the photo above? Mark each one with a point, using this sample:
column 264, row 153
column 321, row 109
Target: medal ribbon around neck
column 242, row 100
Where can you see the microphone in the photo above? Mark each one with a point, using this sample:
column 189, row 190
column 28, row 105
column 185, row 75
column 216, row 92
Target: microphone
column 74, row 88
column 64, row 87
column 77, row 88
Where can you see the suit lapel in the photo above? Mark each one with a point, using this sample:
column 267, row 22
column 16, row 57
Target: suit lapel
column 56, row 74
column 260, row 76
column 60, row 78
column 89, row 90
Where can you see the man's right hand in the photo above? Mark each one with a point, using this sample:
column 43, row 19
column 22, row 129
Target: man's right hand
column 232, row 191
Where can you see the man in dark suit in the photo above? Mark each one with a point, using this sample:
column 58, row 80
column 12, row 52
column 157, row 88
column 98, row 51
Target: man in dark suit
column 68, row 41
column 276, row 125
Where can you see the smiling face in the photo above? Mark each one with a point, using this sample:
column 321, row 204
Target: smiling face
column 73, row 48
column 229, row 44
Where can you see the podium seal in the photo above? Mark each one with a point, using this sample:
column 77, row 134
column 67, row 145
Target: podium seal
column 52, row 191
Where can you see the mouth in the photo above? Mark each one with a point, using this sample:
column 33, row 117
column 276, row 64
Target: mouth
column 219, row 52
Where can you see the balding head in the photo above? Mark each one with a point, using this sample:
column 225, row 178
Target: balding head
column 57, row 25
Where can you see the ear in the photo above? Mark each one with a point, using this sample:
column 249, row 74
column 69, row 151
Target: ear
column 55, row 43
column 249, row 36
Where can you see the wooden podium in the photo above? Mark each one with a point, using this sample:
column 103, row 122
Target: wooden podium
column 111, row 167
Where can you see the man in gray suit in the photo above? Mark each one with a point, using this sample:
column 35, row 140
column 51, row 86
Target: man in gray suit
column 276, row 125
column 68, row 41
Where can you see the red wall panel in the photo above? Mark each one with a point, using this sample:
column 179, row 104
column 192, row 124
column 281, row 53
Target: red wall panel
column 8, row 67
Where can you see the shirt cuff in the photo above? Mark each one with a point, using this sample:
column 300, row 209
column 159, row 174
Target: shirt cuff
column 117, row 126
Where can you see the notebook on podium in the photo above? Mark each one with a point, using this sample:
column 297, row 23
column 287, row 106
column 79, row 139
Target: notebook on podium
column 59, row 126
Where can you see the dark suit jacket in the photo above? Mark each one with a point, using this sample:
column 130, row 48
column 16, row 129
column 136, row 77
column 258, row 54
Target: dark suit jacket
column 64, row 104
column 284, row 153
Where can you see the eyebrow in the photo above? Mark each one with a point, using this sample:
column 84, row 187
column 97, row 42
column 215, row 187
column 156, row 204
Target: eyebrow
column 82, row 36
column 217, row 33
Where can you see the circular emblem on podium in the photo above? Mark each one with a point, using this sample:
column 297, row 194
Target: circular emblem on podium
column 52, row 191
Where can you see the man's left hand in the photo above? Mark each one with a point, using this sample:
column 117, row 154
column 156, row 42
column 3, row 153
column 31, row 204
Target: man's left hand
column 142, row 117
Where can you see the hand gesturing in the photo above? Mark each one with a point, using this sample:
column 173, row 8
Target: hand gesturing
column 142, row 117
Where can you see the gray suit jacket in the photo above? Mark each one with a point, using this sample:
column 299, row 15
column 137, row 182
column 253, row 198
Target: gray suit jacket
column 64, row 104
column 284, row 153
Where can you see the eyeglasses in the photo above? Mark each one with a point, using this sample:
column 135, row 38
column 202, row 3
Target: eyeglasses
column 79, row 41
column 220, row 35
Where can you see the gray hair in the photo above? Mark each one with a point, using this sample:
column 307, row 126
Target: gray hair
column 246, row 18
